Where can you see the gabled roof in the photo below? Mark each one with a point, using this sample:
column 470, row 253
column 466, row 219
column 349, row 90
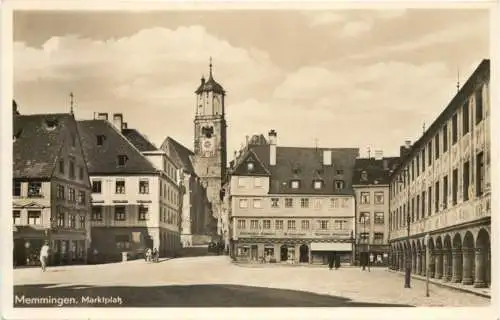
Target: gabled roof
column 257, row 169
column 37, row 143
column 179, row 154
column 138, row 140
column 370, row 171
column 306, row 165
column 103, row 159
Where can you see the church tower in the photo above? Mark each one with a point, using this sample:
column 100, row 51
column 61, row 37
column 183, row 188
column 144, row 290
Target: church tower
column 210, row 146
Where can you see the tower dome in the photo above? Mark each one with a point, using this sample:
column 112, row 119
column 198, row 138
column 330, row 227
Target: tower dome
column 210, row 85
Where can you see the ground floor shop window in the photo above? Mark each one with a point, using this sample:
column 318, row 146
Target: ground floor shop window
column 243, row 251
column 269, row 254
column 122, row 241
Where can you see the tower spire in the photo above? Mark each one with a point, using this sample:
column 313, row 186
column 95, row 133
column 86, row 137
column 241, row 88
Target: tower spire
column 210, row 65
column 71, row 96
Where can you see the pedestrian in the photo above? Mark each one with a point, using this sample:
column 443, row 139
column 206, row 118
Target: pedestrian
column 146, row 254
column 155, row 255
column 330, row 262
column 44, row 255
column 337, row 262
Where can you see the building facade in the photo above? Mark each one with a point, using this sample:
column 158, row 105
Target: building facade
column 443, row 189
column 292, row 205
column 371, row 180
column 51, row 190
column 136, row 197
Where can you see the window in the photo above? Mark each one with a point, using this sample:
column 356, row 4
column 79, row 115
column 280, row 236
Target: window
column 267, row 224
column 378, row 237
column 318, row 184
column 364, row 176
column 100, row 139
column 120, row 186
column 379, row 218
column 429, row 203
column 466, row 179
column 465, row 118
column 334, row 203
column 61, row 217
column 80, row 173
column 61, row 166
column 454, row 129
column 480, row 174
column 60, row 192
column 364, row 217
column 339, row 185
column 436, row 197
column 279, row 224
column 250, row 166
column 304, row 225
column 34, row 190
column 257, row 182
column 34, row 217
column 122, row 241
column 340, row 171
column 72, row 221
column 16, row 190
column 81, row 197
column 143, row 213
column 436, row 146
column 122, row 159
column 323, row 224
column 72, row 169
column 445, row 138
column 413, row 170
column 96, row 186
column 120, row 214
column 16, row 216
column 82, row 222
column 317, row 203
column 417, row 208
column 379, row 197
column 291, row 224
column 143, row 186
column 429, row 155
column 423, row 204
column 364, row 236
column 241, row 182
column 417, row 160
column 241, row 224
column 295, row 184
column 365, row 198
column 243, row 203
column 275, row 202
column 345, row 203
column 478, row 97
column 340, row 224
column 423, row 160
column 288, row 202
column 454, row 187
column 304, row 203
column 445, row 192
column 257, row 203
column 72, row 195
column 254, row 224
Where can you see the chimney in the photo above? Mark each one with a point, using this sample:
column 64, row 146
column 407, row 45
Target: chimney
column 379, row 154
column 273, row 137
column 124, row 125
column 385, row 164
column 102, row 116
column 408, row 144
column 118, row 120
column 327, row 157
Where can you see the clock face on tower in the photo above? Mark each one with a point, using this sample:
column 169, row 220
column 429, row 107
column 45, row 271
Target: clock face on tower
column 207, row 146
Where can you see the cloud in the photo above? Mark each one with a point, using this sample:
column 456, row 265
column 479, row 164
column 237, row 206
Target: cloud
column 355, row 28
column 323, row 18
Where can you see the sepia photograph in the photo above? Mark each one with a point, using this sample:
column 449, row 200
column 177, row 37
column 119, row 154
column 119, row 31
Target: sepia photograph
column 229, row 157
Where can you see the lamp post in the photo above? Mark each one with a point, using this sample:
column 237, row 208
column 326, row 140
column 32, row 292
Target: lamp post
column 406, row 181
column 364, row 234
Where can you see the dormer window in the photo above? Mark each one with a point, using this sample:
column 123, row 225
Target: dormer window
column 318, row 184
column 51, row 124
column 340, row 171
column 295, row 184
column 364, row 176
column 339, row 185
column 250, row 166
column 122, row 159
column 296, row 170
column 100, row 139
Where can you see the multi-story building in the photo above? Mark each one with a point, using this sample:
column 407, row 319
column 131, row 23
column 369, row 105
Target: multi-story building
column 292, row 204
column 443, row 189
column 51, row 189
column 371, row 180
column 136, row 200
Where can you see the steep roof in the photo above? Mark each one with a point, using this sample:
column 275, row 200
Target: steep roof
column 306, row 165
column 37, row 143
column 103, row 159
column 138, row 140
column 179, row 154
column 370, row 171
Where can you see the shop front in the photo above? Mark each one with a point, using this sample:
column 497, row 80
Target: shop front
column 290, row 251
column 321, row 251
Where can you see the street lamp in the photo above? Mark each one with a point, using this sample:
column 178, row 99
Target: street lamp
column 406, row 180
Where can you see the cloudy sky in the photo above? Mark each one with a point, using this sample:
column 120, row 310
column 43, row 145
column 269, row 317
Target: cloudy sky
column 351, row 78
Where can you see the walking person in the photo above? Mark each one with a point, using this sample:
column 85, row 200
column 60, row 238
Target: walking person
column 330, row 261
column 44, row 255
column 337, row 262
column 156, row 255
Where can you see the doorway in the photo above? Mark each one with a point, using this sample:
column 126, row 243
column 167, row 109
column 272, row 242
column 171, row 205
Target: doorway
column 254, row 252
column 304, row 253
column 284, row 253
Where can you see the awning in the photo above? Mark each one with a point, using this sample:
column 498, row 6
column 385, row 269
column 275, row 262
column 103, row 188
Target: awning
column 331, row 246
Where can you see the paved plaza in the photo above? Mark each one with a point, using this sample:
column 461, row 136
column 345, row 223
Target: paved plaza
column 213, row 281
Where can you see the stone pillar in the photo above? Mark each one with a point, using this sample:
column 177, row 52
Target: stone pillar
column 419, row 262
column 414, row 262
column 468, row 256
column 438, row 256
column 446, row 266
column 432, row 264
column 456, row 265
column 424, row 262
column 480, row 274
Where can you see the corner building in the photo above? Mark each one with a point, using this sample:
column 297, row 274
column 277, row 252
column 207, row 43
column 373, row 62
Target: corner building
column 292, row 205
column 443, row 183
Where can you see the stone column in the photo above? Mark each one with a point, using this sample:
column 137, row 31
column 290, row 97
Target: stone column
column 468, row 256
column 424, row 262
column 414, row 262
column 480, row 276
column 456, row 265
column 438, row 256
column 419, row 262
column 432, row 264
column 446, row 266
